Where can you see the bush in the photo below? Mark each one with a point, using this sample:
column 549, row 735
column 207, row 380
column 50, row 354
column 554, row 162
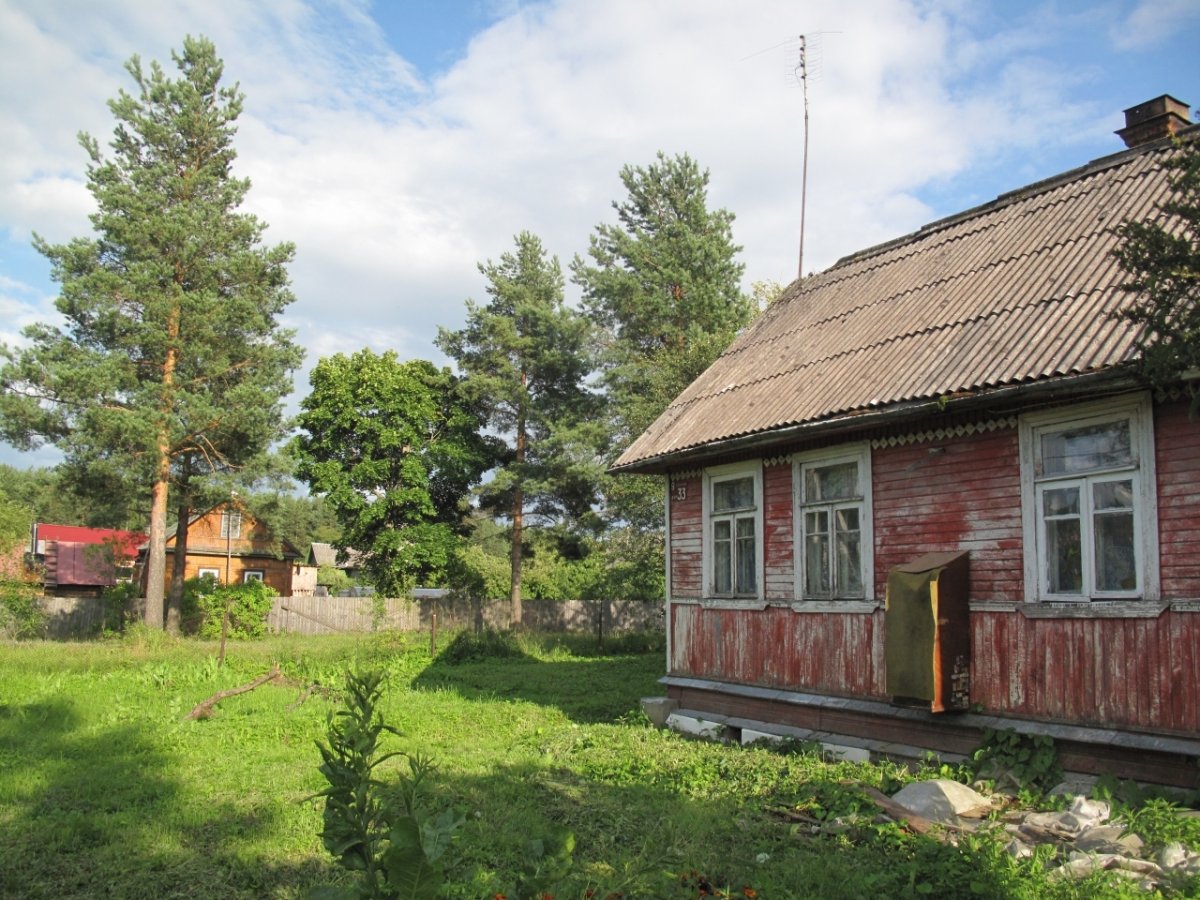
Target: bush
column 21, row 615
column 117, row 600
column 248, row 606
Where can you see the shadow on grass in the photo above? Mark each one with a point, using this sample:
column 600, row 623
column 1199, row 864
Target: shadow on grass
column 645, row 840
column 600, row 689
column 89, row 811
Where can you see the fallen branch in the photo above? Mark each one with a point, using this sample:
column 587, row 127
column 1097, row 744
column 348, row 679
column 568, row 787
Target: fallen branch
column 205, row 709
column 314, row 688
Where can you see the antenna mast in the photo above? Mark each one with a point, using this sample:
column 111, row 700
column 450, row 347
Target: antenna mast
column 802, row 76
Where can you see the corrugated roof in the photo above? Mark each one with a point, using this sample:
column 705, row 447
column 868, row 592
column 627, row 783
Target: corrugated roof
column 125, row 542
column 1019, row 290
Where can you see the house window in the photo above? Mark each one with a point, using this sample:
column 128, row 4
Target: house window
column 231, row 524
column 252, row 575
column 733, row 523
column 209, row 573
column 1089, row 503
column 833, row 524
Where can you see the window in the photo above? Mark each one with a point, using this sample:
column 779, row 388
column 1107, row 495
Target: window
column 210, row 573
column 1088, row 503
column 733, row 523
column 833, row 524
column 231, row 524
column 252, row 575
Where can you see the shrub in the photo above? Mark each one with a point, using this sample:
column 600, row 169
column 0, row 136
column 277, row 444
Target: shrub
column 21, row 613
column 248, row 606
column 117, row 600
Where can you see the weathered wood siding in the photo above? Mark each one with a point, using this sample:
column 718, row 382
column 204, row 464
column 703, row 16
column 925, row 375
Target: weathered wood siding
column 687, row 531
column 1135, row 673
column 776, row 647
column 779, row 553
column 963, row 493
column 957, row 494
column 1177, row 459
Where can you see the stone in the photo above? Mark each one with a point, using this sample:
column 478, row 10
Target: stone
column 942, row 800
column 657, row 709
column 1075, row 785
column 1109, row 839
column 1018, row 849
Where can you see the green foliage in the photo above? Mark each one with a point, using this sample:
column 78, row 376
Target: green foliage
column 334, row 578
column 1162, row 256
column 248, row 605
column 21, row 613
column 387, row 837
column 118, row 604
column 170, row 359
column 1022, row 762
column 525, row 357
column 393, row 448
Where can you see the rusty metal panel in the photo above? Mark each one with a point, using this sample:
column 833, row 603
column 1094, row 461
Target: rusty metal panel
column 1015, row 291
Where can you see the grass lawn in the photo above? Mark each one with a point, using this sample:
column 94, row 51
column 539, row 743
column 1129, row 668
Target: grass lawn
column 107, row 791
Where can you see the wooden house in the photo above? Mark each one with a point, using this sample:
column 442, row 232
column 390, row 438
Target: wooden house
column 925, row 494
column 229, row 544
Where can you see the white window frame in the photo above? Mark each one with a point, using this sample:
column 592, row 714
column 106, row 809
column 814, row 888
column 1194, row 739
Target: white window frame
column 1138, row 411
column 206, row 570
column 716, row 475
column 860, row 454
column 249, row 575
column 231, row 524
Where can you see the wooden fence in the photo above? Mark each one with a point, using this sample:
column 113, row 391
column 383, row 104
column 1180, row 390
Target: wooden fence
column 69, row 617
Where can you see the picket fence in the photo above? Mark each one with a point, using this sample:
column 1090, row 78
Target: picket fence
column 72, row 617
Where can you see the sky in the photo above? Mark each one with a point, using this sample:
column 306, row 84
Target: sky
column 400, row 144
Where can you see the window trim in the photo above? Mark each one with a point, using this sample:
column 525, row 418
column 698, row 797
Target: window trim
column 249, row 575
column 209, row 570
column 1137, row 409
column 859, row 453
column 231, row 525
column 715, row 475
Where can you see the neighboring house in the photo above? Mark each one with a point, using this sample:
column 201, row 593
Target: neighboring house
column 322, row 554
column 229, row 544
column 78, row 561
column 965, row 392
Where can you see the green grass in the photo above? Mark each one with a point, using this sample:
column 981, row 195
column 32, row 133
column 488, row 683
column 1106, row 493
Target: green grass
column 106, row 790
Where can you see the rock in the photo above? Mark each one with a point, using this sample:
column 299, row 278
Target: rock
column 657, row 709
column 1018, row 849
column 1109, row 839
column 1075, row 785
column 1173, row 856
column 942, row 801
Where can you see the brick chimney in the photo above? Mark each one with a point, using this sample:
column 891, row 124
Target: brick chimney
column 1154, row 119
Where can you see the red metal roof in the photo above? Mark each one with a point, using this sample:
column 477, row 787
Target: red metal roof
column 125, row 542
column 1018, row 291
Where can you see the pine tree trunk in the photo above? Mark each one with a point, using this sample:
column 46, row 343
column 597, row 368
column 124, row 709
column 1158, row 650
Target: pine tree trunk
column 156, row 553
column 178, row 568
column 518, row 513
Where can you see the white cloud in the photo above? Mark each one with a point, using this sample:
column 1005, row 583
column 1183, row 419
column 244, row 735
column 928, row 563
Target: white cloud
column 394, row 188
column 1152, row 20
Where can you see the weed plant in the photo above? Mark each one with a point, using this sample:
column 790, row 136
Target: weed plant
column 565, row 788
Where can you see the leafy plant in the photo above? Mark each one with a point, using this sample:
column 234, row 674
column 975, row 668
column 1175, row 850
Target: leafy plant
column 248, row 606
column 21, row 613
column 1024, row 762
column 117, row 601
column 385, row 835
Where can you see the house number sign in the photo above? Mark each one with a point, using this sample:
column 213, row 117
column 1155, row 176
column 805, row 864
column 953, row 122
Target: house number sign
column 681, row 492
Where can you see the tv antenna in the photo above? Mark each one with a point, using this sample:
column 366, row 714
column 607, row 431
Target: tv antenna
column 801, row 74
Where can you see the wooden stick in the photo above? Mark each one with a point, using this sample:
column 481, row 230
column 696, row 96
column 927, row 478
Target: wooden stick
column 205, row 709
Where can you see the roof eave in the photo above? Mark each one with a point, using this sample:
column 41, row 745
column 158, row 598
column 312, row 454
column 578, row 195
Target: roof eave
column 1113, row 380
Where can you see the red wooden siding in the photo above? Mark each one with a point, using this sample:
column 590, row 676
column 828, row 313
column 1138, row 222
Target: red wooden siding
column 1177, row 459
column 780, row 569
column 1138, row 673
column 957, row 494
column 777, row 647
column 686, row 536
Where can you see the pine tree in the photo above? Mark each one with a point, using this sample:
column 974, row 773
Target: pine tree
column 525, row 357
column 1163, row 256
column 171, row 357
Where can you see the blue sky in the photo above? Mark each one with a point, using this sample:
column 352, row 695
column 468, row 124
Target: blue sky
column 399, row 144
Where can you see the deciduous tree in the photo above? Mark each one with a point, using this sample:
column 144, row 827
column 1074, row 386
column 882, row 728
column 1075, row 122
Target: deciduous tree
column 393, row 448
column 170, row 357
